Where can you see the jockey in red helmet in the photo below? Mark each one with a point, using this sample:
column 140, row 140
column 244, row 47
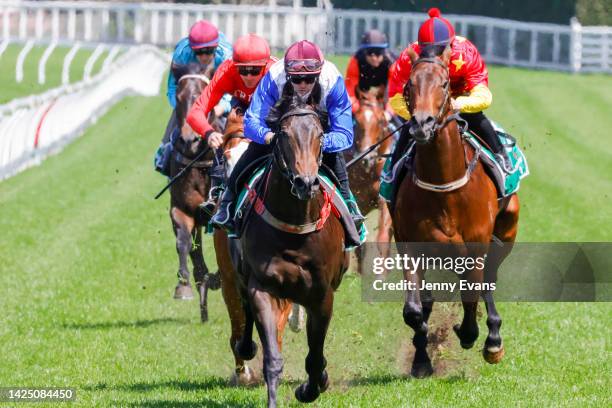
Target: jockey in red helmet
column 304, row 72
column 469, row 81
column 237, row 77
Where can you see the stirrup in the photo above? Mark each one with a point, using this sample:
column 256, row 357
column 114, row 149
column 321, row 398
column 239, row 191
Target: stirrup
column 504, row 160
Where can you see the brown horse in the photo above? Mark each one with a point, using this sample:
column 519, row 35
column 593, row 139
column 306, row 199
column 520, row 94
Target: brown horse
column 191, row 189
column 234, row 144
column 304, row 266
column 449, row 199
column 371, row 126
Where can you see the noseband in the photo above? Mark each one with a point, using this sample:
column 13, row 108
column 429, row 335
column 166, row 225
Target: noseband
column 279, row 157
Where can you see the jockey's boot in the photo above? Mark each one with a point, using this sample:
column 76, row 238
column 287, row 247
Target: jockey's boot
column 356, row 215
column 216, row 188
column 223, row 216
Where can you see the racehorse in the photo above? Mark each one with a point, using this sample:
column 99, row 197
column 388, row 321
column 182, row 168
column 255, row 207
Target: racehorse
column 370, row 126
column 234, row 144
column 304, row 266
column 449, row 198
column 191, row 189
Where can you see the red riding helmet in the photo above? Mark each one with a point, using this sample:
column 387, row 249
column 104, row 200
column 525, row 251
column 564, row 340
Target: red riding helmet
column 251, row 50
column 203, row 34
column 436, row 30
column 303, row 58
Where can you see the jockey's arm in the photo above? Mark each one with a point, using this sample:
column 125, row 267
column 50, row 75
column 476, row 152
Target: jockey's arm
column 478, row 99
column 351, row 81
column 208, row 99
column 399, row 73
column 340, row 135
column 265, row 96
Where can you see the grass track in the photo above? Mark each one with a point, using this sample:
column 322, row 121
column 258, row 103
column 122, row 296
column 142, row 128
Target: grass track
column 87, row 267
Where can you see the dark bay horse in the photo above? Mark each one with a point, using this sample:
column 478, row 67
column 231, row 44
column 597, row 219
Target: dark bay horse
column 191, row 189
column 304, row 266
column 370, row 126
column 234, row 144
column 449, row 199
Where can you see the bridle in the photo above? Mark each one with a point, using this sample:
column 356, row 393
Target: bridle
column 201, row 77
column 444, row 106
column 279, row 157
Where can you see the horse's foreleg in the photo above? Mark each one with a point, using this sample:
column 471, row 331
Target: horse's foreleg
column 468, row 330
column 200, row 272
column 316, row 326
column 505, row 229
column 416, row 313
column 183, row 225
column 384, row 229
column 266, row 312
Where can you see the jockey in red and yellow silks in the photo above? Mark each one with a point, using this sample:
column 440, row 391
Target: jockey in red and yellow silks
column 469, row 81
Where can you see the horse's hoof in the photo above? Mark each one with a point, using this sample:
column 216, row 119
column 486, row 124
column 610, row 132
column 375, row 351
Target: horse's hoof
column 296, row 318
column 464, row 345
column 306, row 394
column 324, row 384
column 203, row 315
column 183, row 292
column 421, row 370
column 245, row 353
column 213, row 281
column 493, row 354
column 243, row 377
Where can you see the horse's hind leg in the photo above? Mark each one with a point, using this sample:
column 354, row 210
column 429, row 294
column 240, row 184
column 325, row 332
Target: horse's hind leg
column 505, row 229
column 200, row 273
column 416, row 314
column 468, row 330
column 266, row 311
column 316, row 327
column 183, row 225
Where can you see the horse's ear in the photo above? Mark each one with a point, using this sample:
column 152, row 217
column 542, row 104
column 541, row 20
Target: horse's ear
column 412, row 55
column 446, row 55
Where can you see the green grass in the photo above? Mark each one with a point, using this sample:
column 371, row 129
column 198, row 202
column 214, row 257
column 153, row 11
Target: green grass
column 88, row 268
column 11, row 89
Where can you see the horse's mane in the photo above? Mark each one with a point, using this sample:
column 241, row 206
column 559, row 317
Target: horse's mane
column 290, row 100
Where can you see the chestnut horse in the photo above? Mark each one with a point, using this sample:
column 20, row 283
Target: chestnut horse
column 449, row 198
column 234, row 144
column 364, row 176
column 304, row 266
column 191, row 189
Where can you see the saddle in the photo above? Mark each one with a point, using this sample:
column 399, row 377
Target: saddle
column 249, row 200
column 506, row 184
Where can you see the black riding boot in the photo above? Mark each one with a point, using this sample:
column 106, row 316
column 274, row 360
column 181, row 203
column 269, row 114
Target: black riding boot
column 480, row 124
column 336, row 163
column 223, row 216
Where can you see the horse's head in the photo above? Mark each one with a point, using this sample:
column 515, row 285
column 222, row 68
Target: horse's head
column 234, row 141
column 192, row 79
column 428, row 92
column 299, row 149
column 370, row 121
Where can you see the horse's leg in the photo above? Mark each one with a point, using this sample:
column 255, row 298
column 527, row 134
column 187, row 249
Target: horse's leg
column 286, row 308
column 200, row 272
column 243, row 375
column 468, row 330
column 319, row 317
column 245, row 347
column 183, row 225
column 266, row 311
column 383, row 238
column 416, row 314
column 505, row 229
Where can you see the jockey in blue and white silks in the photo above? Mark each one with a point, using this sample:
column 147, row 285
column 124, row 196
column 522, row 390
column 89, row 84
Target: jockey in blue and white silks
column 334, row 100
column 305, row 73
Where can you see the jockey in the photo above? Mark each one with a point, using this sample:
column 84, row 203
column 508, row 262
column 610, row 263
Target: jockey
column 302, row 71
column 369, row 66
column 204, row 45
column 468, row 83
column 237, row 77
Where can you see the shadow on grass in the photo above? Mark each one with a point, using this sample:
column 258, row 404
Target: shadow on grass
column 121, row 324
column 208, row 385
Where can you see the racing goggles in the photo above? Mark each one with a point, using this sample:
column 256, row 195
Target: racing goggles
column 306, row 66
column 249, row 70
column 205, row 51
column 298, row 79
